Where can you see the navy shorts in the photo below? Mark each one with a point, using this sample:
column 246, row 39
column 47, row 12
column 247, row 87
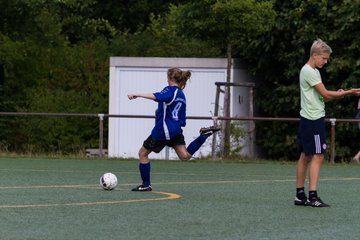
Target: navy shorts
column 312, row 136
column 157, row 145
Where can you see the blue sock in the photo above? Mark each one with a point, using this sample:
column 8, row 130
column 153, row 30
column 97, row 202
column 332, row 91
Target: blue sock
column 145, row 173
column 196, row 144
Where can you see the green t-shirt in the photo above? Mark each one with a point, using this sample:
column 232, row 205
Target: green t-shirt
column 312, row 103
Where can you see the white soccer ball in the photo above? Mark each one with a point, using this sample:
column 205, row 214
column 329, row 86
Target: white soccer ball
column 108, row 181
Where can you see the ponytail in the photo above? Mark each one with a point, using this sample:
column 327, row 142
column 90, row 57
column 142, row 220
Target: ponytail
column 179, row 76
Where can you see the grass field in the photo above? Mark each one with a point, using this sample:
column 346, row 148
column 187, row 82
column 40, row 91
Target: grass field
column 61, row 199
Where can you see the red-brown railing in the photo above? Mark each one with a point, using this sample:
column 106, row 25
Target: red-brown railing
column 101, row 117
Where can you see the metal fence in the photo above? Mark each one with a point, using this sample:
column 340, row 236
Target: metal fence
column 251, row 120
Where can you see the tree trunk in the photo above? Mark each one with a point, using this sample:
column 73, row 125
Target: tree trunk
column 225, row 143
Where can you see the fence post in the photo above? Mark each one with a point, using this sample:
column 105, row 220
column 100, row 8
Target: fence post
column 216, row 114
column 213, row 147
column 251, row 123
column 333, row 123
column 101, row 133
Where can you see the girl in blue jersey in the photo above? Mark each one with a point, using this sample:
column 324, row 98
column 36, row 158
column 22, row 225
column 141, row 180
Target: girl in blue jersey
column 170, row 117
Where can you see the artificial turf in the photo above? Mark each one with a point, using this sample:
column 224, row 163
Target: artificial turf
column 61, row 199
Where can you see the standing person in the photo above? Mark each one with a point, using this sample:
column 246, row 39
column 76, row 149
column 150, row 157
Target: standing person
column 311, row 135
column 357, row 156
column 170, row 117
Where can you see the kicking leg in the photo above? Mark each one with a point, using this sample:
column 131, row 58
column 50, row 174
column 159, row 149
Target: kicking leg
column 182, row 152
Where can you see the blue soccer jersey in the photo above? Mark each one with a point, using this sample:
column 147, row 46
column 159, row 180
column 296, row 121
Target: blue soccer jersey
column 170, row 114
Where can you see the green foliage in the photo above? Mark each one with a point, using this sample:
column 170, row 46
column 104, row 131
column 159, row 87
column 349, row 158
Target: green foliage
column 279, row 139
column 228, row 25
column 238, row 136
column 277, row 57
column 160, row 39
column 55, row 55
column 45, row 73
column 224, row 22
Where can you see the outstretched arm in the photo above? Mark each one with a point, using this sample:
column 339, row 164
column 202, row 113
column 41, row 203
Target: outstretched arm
column 150, row 96
column 331, row 95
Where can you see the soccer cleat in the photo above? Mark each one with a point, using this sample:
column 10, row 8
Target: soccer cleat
column 301, row 202
column 142, row 188
column 209, row 130
column 317, row 202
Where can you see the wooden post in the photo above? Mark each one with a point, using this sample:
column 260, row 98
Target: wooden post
column 216, row 114
column 101, row 133
column 251, row 132
column 332, row 146
column 225, row 143
column 251, row 123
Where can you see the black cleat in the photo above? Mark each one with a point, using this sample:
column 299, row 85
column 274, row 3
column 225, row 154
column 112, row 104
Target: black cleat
column 317, row 202
column 142, row 188
column 209, row 130
column 302, row 202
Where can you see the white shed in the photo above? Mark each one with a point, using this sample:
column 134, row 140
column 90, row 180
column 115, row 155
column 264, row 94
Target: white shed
column 148, row 75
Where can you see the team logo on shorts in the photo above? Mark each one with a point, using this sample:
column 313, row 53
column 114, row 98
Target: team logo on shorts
column 324, row 146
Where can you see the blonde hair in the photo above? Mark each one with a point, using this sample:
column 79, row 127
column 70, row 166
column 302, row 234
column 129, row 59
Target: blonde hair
column 319, row 47
column 179, row 76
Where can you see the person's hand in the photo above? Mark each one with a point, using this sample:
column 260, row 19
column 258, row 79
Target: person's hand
column 355, row 91
column 132, row 96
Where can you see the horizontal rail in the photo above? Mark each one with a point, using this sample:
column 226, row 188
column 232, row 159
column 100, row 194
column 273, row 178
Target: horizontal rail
column 152, row 116
column 101, row 117
column 48, row 114
column 246, row 84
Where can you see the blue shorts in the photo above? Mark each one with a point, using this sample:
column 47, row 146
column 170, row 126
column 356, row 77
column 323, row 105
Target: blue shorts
column 312, row 136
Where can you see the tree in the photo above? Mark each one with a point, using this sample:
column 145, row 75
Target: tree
column 47, row 73
column 229, row 25
column 277, row 56
column 55, row 55
column 132, row 16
